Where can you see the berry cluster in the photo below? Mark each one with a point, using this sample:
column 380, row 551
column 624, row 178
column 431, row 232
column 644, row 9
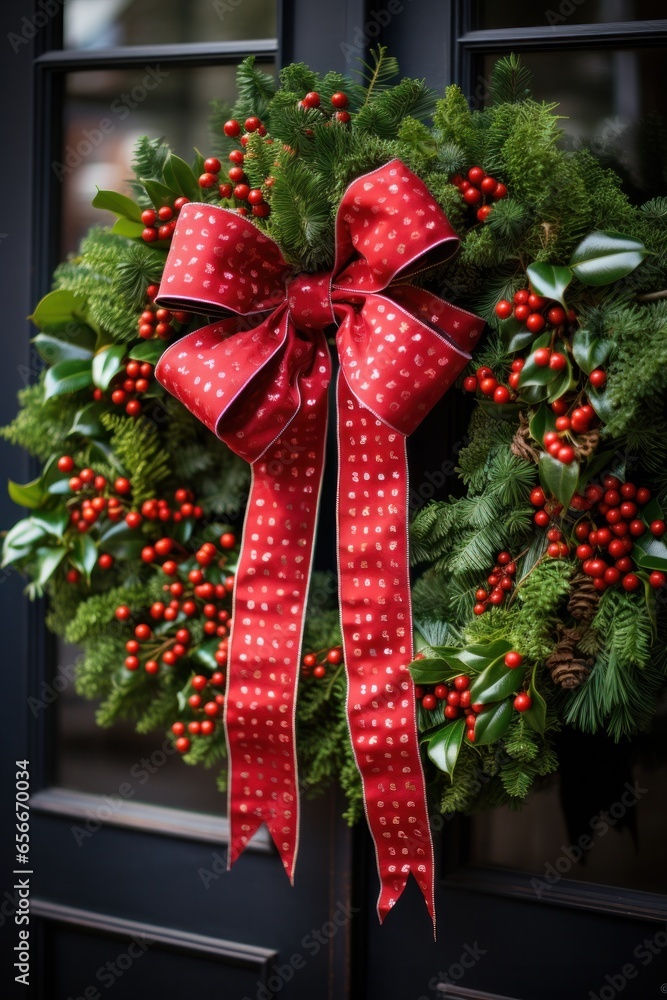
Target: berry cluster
column 156, row 322
column 315, row 664
column 477, row 186
column 205, row 701
column 486, row 382
column 93, row 498
column 533, row 310
column 160, row 223
column 126, row 390
column 339, row 102
column 500, row 582
column 603, row 538
column 247, row 198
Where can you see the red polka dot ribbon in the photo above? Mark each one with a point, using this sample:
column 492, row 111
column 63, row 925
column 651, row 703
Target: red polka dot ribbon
column 259, row 380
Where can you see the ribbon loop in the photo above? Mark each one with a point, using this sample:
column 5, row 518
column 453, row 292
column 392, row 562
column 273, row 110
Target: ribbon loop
column 259, row 381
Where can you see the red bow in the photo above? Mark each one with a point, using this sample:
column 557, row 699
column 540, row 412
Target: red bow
column 260, row 383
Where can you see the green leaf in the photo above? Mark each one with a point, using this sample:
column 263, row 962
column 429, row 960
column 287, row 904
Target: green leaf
column 87, row 421
column 67, row 376
column 550, row 281
column 650, row 552
column 492, row 722
column 29, row 495
column 475, row 657
column 126, row 227
column 515, row 336
column 48, row 559
column 558, row 478
column 58, row 307
column 495, row 682
column 54, row 522
column 149, row 350
column 117, row 203
column 605, row 257
column 599, row 462
column 205, row 654
column 107, row 364
column 180, row 177
column 561, row 384
column 20, row 540
column 534, row 394
column 601, row 403
column 542, row 421
column 84, row 554
column 589, row 352
column 532, row 373
column 159, row 193
column 443, row 748
column 122, row 542
column 431, row 671
column 53, row 350
column 536, row 716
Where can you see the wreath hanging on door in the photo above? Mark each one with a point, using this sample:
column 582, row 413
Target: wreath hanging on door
column 334, row 224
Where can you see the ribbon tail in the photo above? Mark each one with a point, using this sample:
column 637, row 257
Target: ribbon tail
column 376, row 620
column 270, row 598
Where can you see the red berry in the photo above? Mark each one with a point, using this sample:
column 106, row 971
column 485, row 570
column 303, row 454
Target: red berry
column 541, row 518
column 488, row 386
column 225, row 190
column 131, row 662
column 521, row 312
column 562, row 423
column 180, row 202
column 212, row 166
column 339, row 99
column 252, row 123
column 429, row 702
column 475, row 175
column 182, row 744
column 503, row 309
column 611, row 576
column 523, row 702
column 630, row 581
column 535, row 322
column 335, row 655
column 623, row 565
column 441, row 691
column 479, row 609
column 472, row 196
column 343, row 116
column 500, row 192
column 454, row 698
column 228, row 540
column 643, row 495
column 657, row 579
column 312, row 100
column 470, row 383
column 521, row 297
column 584, row 551
column 501, row 394
column 122, row 612
column 461, row 682
column 231, row 128
column 557, row 361
column 537, row 497
column 255, row 196
column 556, row 316
column 566, row 454
column 542, row 356
column 241, row 192
column 637, row 528
column 513, row 659
column 597, row 378
column 657, row 528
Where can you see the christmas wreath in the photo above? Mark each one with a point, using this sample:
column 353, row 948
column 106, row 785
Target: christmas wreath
column 537, row 589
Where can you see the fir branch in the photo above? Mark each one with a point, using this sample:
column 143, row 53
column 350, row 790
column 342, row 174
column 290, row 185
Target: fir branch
column 511, row 82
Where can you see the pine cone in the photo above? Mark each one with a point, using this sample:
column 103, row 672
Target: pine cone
column 584, row 598
column 521, row 445
column 587, row 443
column 567, row 667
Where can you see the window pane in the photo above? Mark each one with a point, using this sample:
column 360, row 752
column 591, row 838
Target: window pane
column 95, row 24
column 612, row 104
column 119, row 762
column 105, row 113
column 602, row 820
column 519, row 14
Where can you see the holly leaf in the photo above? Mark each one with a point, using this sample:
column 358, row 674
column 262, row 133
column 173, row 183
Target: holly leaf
column 589, row 352
column 159, row 193
column 107, row 364
column 532, row 373
column 83, row 554
column 650, row 552
column 549, row 281
column 515, row 336
column 30, row 495
column 47, row 561
column 87, row 421
column 536, row 716
column 122, row 542
column 534, row 394
column 561, row 384
column 52, row 349
column 180, row 177
column 126, row 227
column 542, row 421
column 205, row 654
column 54, row 522
column 558, row 478
column 601, row 461
column 492, row 722
column 20, row 540
column 444, row 746
column 149, row 350
column 473, row 658
column 431, row 670
column 66, row 377
column 601, row 403
column 57, row 308
column 119, row 204
column 603, row 257
column 494, row 683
